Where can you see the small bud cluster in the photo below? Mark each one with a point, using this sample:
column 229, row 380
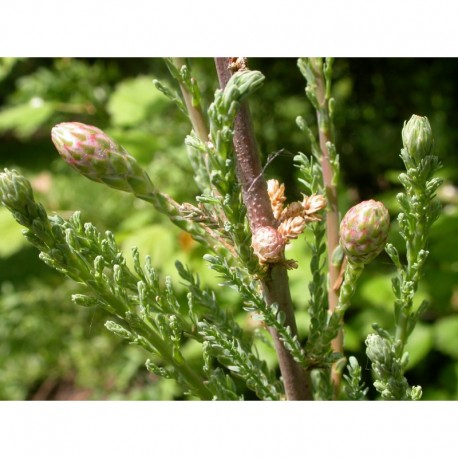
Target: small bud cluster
column 268, row 243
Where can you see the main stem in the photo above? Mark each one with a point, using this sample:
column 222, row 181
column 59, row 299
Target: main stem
column 275, row 284
column 332, row 215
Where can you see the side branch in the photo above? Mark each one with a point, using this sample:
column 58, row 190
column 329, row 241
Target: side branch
column 195, row 112
column 332, row 215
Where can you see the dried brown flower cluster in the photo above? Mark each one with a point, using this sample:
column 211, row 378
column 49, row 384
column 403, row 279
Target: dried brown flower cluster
column 268, row 243
column 296, row 215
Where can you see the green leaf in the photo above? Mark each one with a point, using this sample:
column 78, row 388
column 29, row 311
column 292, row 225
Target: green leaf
column 27, row 118
column 157, row 241
column 420, row 343
column 12, row 239
column 446, row 336
column 352, row 340
column 134, row 101
column 382, row 285
column 6, row 65
column 138, row 143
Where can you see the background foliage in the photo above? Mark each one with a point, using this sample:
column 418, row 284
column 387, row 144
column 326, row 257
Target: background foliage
column 49, row 348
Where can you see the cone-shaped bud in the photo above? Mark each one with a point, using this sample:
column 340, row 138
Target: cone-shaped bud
column 417, row 137
column 98, row 157
column 364, row 230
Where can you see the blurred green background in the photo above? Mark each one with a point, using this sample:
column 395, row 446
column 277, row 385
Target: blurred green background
column 52, row 349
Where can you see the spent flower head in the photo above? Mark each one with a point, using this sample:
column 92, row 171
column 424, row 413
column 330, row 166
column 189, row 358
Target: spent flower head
column 364, row 230
column 98, row 157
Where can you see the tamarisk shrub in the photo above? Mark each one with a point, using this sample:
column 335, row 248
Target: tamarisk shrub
column 244, row 224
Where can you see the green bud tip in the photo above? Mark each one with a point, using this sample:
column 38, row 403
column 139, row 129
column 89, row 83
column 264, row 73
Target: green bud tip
column 16, row 194
column 417, row 137
column 98, row 157
column 364, row 230
column 14, row 189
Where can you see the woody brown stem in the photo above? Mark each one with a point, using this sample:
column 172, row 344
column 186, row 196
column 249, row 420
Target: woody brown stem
column 275, row 283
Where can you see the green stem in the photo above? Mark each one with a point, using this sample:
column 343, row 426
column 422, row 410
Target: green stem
column 352, row 273
column 188, row 374
column 322, row 93
column 412, row 274
column 195, row 112
column 401, row 329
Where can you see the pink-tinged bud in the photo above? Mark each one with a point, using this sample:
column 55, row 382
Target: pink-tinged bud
column 268, row 245
column 364, row 230
column 98, row 157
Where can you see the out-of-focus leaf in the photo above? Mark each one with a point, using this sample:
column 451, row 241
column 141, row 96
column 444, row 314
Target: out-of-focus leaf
column 361, row 323
column 443, row 242
column 380, row 284
column 352, row 341
column 158, row 241
column 27, row 118
column 134, row 101
column 448, row 378
column 419, row 344
column 6, row 65
column 446, row 335
column 11, row 239
column 376, row 291
column 138, row 143
column 298, row 278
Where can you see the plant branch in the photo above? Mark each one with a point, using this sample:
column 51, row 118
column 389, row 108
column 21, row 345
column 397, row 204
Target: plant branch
column 275, row 284
column 332, row 215
column 195, row 111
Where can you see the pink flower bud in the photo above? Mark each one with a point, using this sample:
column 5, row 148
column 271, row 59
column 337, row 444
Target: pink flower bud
column 98, row 157
column 364, row 230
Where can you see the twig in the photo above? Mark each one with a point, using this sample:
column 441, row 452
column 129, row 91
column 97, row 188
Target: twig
column 332, row 215
column 195, row 112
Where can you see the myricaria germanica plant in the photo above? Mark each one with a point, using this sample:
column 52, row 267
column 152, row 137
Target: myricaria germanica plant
column 244, row 223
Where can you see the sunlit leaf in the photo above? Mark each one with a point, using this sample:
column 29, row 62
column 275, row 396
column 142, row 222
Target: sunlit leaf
column 26, row 119
column 11, row 239
column 134, row 101
column 446, row 336
column 419, row 344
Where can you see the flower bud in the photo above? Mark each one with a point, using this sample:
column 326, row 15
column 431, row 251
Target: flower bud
column 96, row 156
column 364, row 230
column 16, row 194
column 15, row 190
column 378, row 350
column 241, row 85
column 268, row 244
column 417, row 137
